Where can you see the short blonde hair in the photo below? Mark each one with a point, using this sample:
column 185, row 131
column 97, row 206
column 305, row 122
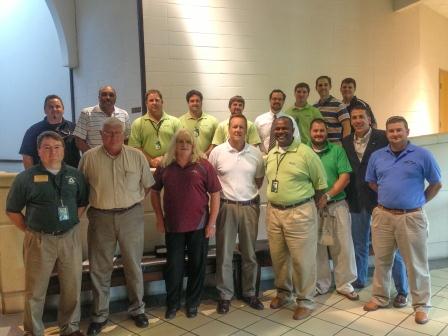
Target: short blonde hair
column 170, row 155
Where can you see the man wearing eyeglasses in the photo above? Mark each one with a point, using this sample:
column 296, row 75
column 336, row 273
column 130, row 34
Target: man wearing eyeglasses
column 53, row 121
column 119, row 178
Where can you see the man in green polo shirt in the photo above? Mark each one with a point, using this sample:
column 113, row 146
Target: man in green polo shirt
column 201, row 124
column 295, row 177
column 236, row 106
column 153, row 132
column 302, row 112
column 335, row 224
column 54, row 195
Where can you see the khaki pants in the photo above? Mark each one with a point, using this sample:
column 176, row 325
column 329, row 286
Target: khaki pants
column 408, row 233
column 292, row 237
column 233, row 220
column 342, row 253
column 42, row 253
column 105, row 230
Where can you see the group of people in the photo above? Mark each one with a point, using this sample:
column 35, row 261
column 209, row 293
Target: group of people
column 330, row 173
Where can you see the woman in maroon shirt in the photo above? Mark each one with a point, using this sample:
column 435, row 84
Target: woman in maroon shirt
column 187, row 221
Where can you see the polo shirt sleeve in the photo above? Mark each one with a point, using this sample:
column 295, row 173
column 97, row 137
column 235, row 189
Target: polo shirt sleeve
column 296, row 128
column 29, row 144
column 220, row 135
column 253, row 137
column 317, row 171
column 432, row 169
column 213, row 184
column 370, row 113
column 83, row 191
column 316, row 113
column 259, row 173
column 343, row 113
column 147, row 178
column 343, row 164
column 17, row 196
column 176, row 124
column 127, row 126
column 158, row 179
column 371, row 176
column 81, row 126
column 136, row 133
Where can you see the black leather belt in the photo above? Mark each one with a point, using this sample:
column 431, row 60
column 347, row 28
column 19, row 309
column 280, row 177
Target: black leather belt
column 253, row 201
column 289, row 206
column 115, row 210
column 398, row 211
column 53, row 233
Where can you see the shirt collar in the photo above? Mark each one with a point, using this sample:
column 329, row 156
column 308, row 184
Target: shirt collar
column 150, row 117
column 203, row 116
column 363, row 139
column 230, row 149
column 409, row 148
column 291, row 148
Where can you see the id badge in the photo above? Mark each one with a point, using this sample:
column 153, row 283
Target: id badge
column 157, row 145
column 196, row 132
column 274, row 186
column 63, row 213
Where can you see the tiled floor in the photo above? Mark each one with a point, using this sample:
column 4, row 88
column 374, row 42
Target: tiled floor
column 334, row 315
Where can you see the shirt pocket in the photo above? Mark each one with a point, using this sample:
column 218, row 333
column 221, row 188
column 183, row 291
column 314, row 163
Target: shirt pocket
column 132, row 180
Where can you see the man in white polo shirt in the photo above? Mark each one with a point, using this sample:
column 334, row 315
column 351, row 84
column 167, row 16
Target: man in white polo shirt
column 240, row 169
column 87, row 131
column 264, row 121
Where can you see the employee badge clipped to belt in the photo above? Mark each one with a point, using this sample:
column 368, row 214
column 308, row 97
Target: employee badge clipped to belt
column 326, row 228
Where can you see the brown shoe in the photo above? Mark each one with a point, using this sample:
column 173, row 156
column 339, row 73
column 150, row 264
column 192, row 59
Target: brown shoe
column 421, row 317
column 400, row 301
column 278, row 302
column 302, row 313
column 371, row 306
column 353, row 296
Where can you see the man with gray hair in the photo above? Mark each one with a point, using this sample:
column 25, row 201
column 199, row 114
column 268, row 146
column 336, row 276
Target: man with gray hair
column 119, row 178
column 87, row 131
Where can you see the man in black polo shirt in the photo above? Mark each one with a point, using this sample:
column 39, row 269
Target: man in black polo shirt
column 54, row 195
column 53, row 121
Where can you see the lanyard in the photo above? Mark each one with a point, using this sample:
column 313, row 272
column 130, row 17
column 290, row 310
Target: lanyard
column 280, row 158
column 156, row 126
column 58, row 187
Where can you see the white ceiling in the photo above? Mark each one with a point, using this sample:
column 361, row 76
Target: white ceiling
column 440, row 6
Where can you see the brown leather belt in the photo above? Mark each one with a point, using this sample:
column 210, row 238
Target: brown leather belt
column 289, row 206
column 398, row 211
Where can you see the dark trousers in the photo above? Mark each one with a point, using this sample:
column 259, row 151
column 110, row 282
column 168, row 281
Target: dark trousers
column 196, row 249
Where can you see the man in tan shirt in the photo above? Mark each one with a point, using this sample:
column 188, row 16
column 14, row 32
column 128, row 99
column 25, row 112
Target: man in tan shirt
column 119, row 178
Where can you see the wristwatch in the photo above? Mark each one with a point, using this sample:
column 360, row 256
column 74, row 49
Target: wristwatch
column 328, row 197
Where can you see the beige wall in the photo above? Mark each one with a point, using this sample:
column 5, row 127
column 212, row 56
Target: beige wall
column 250, row 47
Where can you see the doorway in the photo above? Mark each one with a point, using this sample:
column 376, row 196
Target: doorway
column 443, row 101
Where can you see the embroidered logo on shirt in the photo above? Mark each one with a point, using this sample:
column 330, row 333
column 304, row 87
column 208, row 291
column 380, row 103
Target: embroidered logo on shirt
column 71, row 180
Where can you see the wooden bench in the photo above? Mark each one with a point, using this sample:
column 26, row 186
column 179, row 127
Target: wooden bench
column 153, row 270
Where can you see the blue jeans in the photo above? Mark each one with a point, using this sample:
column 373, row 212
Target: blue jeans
column 361, row 242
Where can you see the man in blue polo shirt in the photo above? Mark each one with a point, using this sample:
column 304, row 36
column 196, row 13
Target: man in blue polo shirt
column 53, row 121
column 399, row 220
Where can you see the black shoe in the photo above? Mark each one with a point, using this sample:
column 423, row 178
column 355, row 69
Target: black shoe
column 140, row 320
column 358, row 285
column 170, row 313
column 95, row 328
column 223, row 306
column 192, row 312
column 253, row 302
